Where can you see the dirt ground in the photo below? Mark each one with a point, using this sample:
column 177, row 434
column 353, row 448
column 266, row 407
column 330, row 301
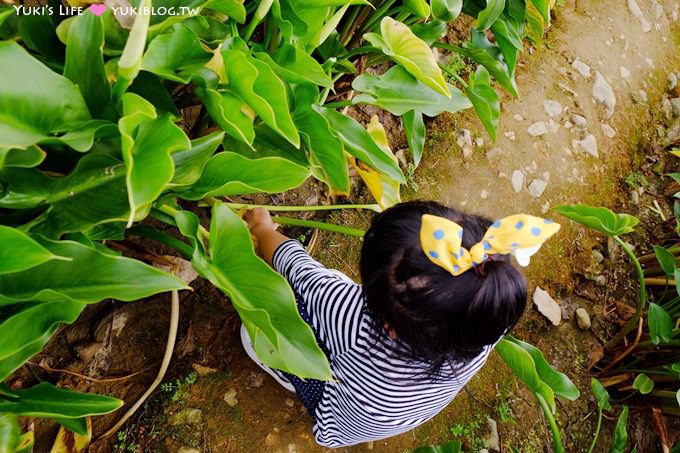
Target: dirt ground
column 216, row 400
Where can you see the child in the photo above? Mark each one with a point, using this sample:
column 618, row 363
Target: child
column 439, row 291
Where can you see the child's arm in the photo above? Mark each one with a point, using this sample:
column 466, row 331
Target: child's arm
column 264, row 229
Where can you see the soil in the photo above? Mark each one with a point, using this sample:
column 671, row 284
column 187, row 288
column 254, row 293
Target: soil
column 242, row 409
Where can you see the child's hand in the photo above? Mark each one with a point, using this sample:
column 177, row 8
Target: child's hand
column 259, row 220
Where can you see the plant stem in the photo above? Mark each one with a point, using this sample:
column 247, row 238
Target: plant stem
column 454, row 75
column 338, row 105
column 557, row 440
column 152, row 233
column 172, row 212
column 332, row 207
column 597, row 430
column 632, row 322
column 320, row 225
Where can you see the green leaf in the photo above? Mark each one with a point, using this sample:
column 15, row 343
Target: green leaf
column 643, row 384
column 189, row 163
column 446, row 10
column 481, row 50
column 85, row 50
column 296, row 66
column 257, row 84
column 229, row 112
column 35, row 102
column 535, row 24
column 232, row 8
column 490, row 14
column 38, row 33
column 509, row 40
column 399, row 43
column 660, row 324
column 419, row 8
column 46, row 400
column 90, row 276
column 15, row 361
column 325, row 149
column 228, row 173
column 676, row 276
column 599, row 219
column 9, row 432
column 262, row 297
column 25, row 443
column 399, row 92
column 19, row 252
column 414, row 127
column 449, row 447
column 601, row 394
column 558, row 382
column 149, row 167
column 524, row 367
column 131, row 59
column 175, row 55
column 666, row 260
column 543, row 6
column 359, row 143
column 620, row 433
column 485, row 100
column 76, row 425
column 429, row 31
column 22, row 158
column 93, row 193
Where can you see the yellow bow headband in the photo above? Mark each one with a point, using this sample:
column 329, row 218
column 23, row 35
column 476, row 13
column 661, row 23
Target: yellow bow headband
column 519, row 235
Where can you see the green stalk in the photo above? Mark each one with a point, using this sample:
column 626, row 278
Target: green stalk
column 338, row 105
column 377, row 16
column 320, row 225
column 453, row 74
column 172, row 212
column 597, row 431
column 332, row 207
column 260, row 13
column 557, row 440
column 632, row 322
column 154, row 234
column 349, row 23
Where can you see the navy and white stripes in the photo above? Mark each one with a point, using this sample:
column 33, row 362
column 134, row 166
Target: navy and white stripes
column 376, row 393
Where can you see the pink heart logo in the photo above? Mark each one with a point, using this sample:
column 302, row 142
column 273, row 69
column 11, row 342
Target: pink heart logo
column 97, row 10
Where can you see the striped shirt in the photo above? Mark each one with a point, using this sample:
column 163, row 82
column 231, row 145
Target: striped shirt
column 376, row 392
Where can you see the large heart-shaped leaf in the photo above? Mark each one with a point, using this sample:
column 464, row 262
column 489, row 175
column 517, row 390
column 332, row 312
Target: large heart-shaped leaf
column 189, row 163
column 419, row 8
column 174, row 56
column 229, row 112
column 230, row 173
column 20, row 252
column 399, row 92
column 262, row 297
column 35, row 102
column 9, row 432
column 22, row 158
column 599, row 219
column 398, row 42
column 46, row 400
column 446, row 10
column 643, row 384
column 296, row 66
column 481, row 50
column 488, row 15
column 90, row 276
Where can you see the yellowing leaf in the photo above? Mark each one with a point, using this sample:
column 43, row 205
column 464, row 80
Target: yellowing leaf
column 70, row 442
column 398, row 42
column 384, row 189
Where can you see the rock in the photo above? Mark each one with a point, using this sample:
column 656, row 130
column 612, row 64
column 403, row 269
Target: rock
column 583, row 319
column 230, row 398
column 588, row 144
column 479, row 142
column 179, row 267
column 464, row 140
column 203, row 370
column 675, row 104
column 517, row 180
column 600, row 280
column 510, row 135
column 545, row 208
column 537, row 129
column 578, row 120
column 492, row 440
column 603, row 94
column 635, row 197
column 597, row 256
column 672, row 81
column 188, row 450
column 581, row 68
column 290, row 402
column 639, row 97
column 537, row 187
column 667, row 108
column 484, row 194
column 608, row 130
column 255, row 380
column 186, row 416
column 635, row 10
column 552, row 108
column 518, row 117
column 547, row 306
column 625, row 72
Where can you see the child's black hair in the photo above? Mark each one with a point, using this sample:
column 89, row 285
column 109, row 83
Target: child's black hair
column 441, row 318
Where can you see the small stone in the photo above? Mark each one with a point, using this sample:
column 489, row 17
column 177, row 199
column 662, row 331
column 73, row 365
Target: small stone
column 517, row 180
column 203, row 370
column 518, row 117
column 600, row 280
column 188, row 450
column 637, row 13
column 545, row 208
column 290, row 402
column 625, row 72
column 492, row 440
column 667, row 108
column 510, row 135
column 635, row 197
column 603, row 94
column 578, row 120
column 568, row 125
column 292, row 448
column 552, row 108
column 588, row 144
column 255, row 380
column 675, row 104
column 479, row 142
column 608, row 130
column 672, row 81
column 230, row 398
column 597, row 256
column 187, row 416
column 547, row 306
column 537, row 129
column 537, row 187
column 484, row 194
column 581, row 67
column 464, row 140
column 582, row 319
column 639, row 97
